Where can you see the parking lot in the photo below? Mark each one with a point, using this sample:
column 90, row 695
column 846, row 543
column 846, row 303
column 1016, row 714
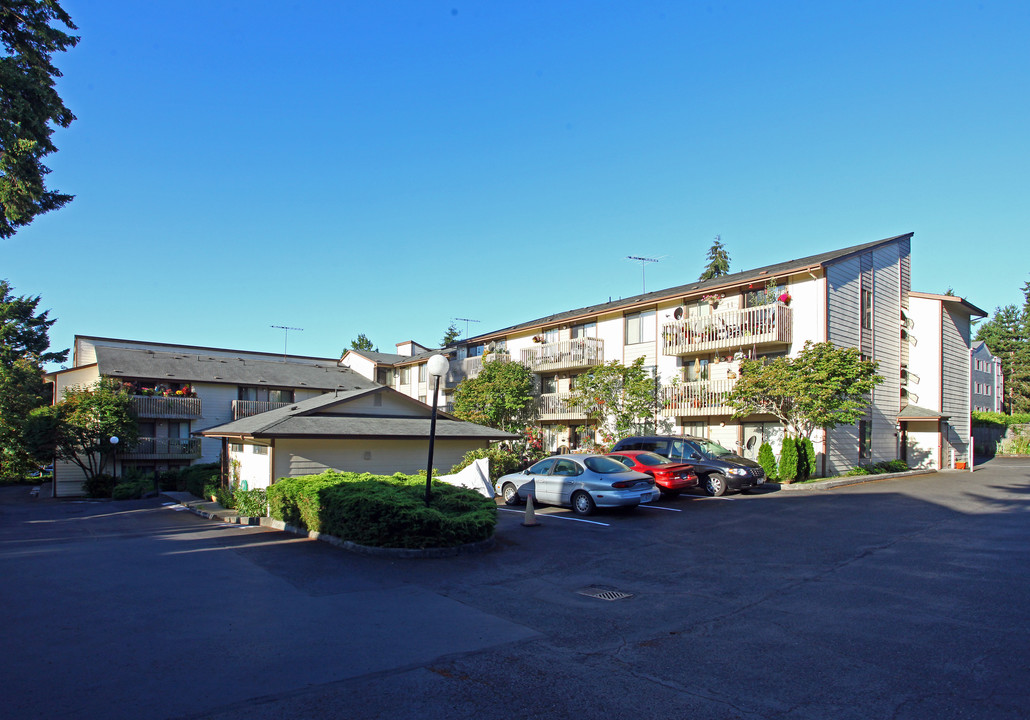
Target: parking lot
column 900, row 598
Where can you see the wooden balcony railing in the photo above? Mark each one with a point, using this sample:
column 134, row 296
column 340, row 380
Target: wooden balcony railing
column 702, row 397
column 559, row 406
column 564, row 355
column 246, row 408
column 728, row 329
column 158, row 406
column 148, row 448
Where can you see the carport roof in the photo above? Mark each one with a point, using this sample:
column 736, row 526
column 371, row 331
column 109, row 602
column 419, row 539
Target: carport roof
column 914, row 412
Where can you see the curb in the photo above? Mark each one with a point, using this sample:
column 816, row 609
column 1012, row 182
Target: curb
column 232, row 517
column 855, row 480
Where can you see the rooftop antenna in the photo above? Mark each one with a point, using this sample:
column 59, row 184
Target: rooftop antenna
column 466, row 321
column 286, row 335
column 643, row 265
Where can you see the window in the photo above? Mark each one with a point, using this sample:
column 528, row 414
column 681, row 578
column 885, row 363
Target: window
column 405, row 376
column 283, row 396
column 863, row 440
column 178, row 429
column 550, row 335
column 549, row 384
column 586, row 330
column 867, row 309
column 640, row 327
column 422, row 372
column 260, row 449
column 236, row 447
column 422, row 398
column 475, row 350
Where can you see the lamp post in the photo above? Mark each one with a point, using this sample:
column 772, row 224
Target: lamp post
column 437, row 367
column 114, row 461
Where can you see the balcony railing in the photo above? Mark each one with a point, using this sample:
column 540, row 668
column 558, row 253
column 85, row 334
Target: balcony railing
column 148, row 448
column 246, row 408
column 157, row 406
column 471, row 367
column 558, row 406
column 728, row 329
column 701, row 397
column 564, row 355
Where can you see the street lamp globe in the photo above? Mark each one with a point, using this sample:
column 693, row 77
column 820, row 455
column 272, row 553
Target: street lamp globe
column 437, row 366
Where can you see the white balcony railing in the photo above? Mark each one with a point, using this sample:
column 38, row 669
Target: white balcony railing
column 471, row 367
column 564, row 355
column 698, row 398
column 159, row 406
column 728, row 329
column 559, row 406
column 246, row 408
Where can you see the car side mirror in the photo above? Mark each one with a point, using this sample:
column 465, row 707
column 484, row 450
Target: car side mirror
column 694, row 456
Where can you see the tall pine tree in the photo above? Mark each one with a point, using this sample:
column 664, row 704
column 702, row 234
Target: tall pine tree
column 718, row 261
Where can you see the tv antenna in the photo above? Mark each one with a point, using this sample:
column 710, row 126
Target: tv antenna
column 643, row 266
column 286, row 335
column 466, row 321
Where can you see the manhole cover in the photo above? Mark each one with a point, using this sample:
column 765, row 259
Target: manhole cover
column 602, row 593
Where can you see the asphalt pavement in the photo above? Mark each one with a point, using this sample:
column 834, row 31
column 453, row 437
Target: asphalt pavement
column 902, row 598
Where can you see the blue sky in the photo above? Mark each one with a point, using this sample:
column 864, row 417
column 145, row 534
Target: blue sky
column 384, row 167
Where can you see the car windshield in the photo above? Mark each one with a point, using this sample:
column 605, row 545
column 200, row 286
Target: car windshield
column 713, row 450
column 652, row 460
column 604, row 465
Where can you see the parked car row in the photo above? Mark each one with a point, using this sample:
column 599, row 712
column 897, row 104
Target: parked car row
column 638, row 470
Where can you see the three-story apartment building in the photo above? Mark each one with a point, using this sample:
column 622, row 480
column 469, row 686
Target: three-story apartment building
column 692, row 337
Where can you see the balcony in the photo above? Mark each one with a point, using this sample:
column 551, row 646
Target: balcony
column 174, row 408
column 564, row 355
column 148, row 448
column 246, row 408
column 697, row 399
column 559, row 406
column 728, row 329
column 470, row 368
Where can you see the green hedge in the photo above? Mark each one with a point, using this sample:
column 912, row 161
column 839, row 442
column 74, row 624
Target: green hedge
column 887, row 466
column 999, row 419
column 383, row 511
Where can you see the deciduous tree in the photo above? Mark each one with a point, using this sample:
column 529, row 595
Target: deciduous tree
column 29, row 107
column 618, row 397
column 500, row 396
column 823, row 387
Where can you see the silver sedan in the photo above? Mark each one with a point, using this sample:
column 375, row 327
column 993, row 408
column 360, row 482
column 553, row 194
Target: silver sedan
column 582, row 482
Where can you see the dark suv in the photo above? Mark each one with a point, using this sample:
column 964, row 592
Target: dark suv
column 719, row 469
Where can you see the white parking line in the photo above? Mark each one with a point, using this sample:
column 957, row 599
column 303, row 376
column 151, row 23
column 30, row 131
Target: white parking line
column 558, row 517
column 659, row 507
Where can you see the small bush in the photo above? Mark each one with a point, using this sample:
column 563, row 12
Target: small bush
column 767, row 460
column 880, row 468
column 788, row 470
column 99, row 486
column 383, row 511
column 252, row 503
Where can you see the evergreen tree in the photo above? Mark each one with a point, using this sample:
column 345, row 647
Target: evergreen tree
column 24, row 343
column 789, row 460
column 810, row 457
column 31, row 108
column 1007, row 335
column 767, row 460
column 361, row 342
column 450, row 335
column 718, row 261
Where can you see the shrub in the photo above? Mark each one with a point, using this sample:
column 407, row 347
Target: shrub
column 383, row 511
column 126, row 491
column 99, row 486
column 810, row 456
column 767, row 460
column 192, row 479
column 252, row 503
column 880, row 468
column 502, row 461
column 999, row 419
column 789, row 460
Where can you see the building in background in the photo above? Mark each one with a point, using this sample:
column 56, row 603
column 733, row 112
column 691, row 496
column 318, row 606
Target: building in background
column 986, row 383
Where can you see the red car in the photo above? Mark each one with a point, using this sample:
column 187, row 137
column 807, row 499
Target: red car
column 670, row 476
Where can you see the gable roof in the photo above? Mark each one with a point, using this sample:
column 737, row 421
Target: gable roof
column 914, row 412
column 789, row 267
column 312, row 418
column 969, row 307
column 393, row 360
column 188, row 367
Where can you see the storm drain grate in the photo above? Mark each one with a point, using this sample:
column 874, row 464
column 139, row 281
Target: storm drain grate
column 602, row 593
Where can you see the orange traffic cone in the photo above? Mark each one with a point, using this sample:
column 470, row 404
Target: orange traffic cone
column 530, row 520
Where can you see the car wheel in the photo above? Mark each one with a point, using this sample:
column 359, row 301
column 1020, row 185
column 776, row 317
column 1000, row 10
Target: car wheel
column 510, row 494
column 582, row 503
column 715, row 485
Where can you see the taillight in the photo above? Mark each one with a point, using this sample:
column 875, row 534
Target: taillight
column 624, row 483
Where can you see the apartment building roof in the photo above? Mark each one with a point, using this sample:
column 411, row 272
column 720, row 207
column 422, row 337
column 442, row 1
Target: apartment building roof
column 326, row 416
column 394, row 360
column 969, row 307
column 189, row 367
column 726, row 281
